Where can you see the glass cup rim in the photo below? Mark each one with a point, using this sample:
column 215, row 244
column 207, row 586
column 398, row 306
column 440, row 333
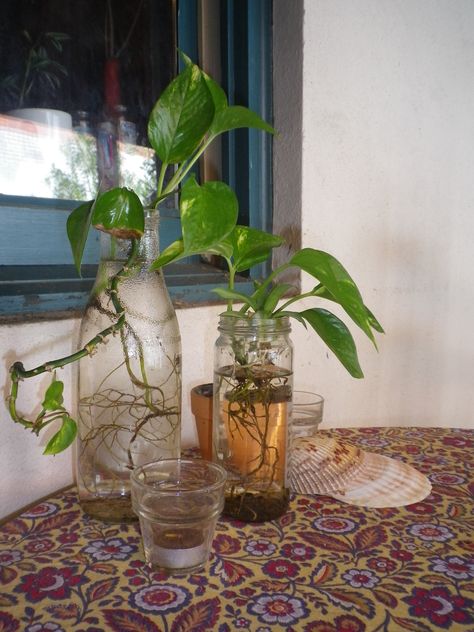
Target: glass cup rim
column 314, row 399
column 210, row 465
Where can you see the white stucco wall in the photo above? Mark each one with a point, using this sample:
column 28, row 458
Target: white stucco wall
column 385, row 185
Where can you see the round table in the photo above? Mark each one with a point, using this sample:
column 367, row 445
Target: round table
column 325, row 566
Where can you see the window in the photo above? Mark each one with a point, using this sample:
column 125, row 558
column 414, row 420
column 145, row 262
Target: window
column 227, row 37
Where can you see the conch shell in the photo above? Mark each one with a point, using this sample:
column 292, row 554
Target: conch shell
column 328, row 466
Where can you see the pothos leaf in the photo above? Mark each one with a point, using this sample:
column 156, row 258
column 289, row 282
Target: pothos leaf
column 337, row 280
column 274, row 296
column 223, row 249
column 235, row 116
column 322, row 292
column 219, row 97
column 181, row 116
column 77, row 226
column 208, row 214
column 171, row 253
column 187, row 60
column 63, row 438
column 296, row 315
column 373, row 322
column 120, row 213
column 251, row 246
column 336, row 336
column 53, row 398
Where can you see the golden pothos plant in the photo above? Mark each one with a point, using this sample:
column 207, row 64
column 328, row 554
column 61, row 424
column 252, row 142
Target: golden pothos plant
column 189, row 115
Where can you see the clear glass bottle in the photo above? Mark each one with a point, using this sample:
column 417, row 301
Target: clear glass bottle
column 253, row 380
column 129, row 401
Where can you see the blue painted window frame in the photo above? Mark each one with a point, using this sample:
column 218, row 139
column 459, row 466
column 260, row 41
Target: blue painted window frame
column 37, row 276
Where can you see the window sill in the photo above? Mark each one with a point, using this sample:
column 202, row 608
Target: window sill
column 46, row 296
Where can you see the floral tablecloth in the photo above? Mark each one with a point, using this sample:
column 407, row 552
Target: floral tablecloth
column 323, row 567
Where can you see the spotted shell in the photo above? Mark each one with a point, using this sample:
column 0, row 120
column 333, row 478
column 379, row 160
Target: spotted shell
column 323, row 465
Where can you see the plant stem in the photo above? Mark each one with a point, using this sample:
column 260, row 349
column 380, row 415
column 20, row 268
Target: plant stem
column 230, row 302
column 272, row 275
column 185, row 167
column 18, row 372
column 164, row 167
column 180, row 173
column 293, row 299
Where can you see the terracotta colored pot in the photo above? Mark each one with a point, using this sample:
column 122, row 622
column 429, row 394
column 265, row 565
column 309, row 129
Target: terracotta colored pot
column 201, row 406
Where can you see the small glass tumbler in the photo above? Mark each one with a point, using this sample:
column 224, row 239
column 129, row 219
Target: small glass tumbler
column 178, row 502
column 307, row 413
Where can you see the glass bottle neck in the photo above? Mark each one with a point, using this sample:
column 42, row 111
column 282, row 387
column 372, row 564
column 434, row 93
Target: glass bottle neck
column 113, row 249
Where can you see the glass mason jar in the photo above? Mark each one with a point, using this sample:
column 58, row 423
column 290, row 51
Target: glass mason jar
column 129, row 400
column 253, row 379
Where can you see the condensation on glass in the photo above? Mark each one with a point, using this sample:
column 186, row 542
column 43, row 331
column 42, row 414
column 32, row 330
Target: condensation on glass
column 129, row 392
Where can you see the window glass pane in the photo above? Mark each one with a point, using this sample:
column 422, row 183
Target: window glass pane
column 77, row 81
column 36, row 270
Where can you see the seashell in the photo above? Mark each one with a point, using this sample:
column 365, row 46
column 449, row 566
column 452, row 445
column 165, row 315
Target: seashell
column 321, row 465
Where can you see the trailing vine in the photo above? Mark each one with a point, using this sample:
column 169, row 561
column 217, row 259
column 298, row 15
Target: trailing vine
column 52, row 406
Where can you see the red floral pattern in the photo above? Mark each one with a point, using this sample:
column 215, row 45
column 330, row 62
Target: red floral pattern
column 323, row 567
column 49, row 583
